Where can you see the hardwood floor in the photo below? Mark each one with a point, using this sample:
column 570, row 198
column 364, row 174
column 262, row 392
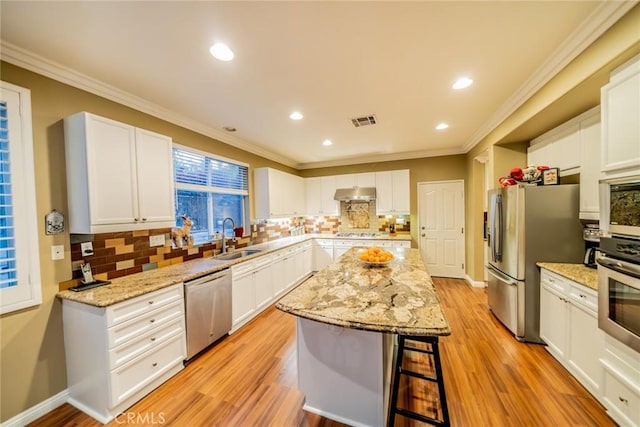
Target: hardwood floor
column 249, row 379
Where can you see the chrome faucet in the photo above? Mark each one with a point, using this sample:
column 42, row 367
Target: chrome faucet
column 224, row 242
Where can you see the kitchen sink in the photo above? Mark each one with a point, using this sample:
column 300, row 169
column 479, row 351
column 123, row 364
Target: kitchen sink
column 237, row 254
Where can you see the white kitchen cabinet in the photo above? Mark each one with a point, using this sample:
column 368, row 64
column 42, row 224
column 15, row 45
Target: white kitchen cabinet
column 590, row 130
column 366, row 179
column 278, row 194
column 278, row 274
column 322, row 253
column 252, row 289
column 319, row 193
column 392, row 192
column 620, row 100
column 119, row 177
column 402, row 244
column 560, row 147
column 117, row 354
column 621, row 389
column 569, row 326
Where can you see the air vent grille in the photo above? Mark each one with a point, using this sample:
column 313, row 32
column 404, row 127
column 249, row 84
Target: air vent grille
column 364, row 121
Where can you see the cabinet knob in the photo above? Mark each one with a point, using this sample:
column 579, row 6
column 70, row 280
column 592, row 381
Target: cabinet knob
column 623, row 400
column 150, row 302
column 136, row 219
column 423, row 235
column 153, row 338
column 144, row 219
column 152, row 320
column 583, row 296
column 154, row 364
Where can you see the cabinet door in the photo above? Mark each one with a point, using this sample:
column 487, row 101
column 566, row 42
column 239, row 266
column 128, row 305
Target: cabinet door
column 313, row 196
column 322, row 256
column 307, row 260
column 585, row 344
column 384, row 192
column 290, row 269
column 263, row 287
column 590, row 169
column 621, row 120
column 154, row 164
column 401, row 188
column 111, row 168
column 541, row 154
column 277, row 275
column 329, row 205
column 243, row 299
column 566, row 148
column 294, row 194
column 553, row 321
column 367, row 179
column 345, row 181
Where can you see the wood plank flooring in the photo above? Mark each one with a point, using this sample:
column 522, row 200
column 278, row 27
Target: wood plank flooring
column 249, row 379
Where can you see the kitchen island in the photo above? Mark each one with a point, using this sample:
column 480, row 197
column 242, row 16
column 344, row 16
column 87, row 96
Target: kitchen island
column 348, row 314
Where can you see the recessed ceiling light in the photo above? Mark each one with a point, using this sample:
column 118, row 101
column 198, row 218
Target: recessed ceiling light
column 442, row 126
column 327, row 142
column 462, row 83
column 296, row 115
column 221, row 51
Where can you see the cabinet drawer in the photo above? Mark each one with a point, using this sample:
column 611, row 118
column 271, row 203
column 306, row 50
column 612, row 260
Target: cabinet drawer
column 324, row 242
column 553, row 281
column 120, row 334
column 621, row 399
column 134, row 348
column 243, row 269
column 403, row 244
column 585, row 297
column 136, row 374
column 380, row 243
column 143, row 304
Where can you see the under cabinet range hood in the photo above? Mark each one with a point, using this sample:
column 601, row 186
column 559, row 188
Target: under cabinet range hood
column 356, row 193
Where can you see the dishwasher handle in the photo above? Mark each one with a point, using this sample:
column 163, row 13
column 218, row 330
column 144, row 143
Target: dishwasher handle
column 208, row 277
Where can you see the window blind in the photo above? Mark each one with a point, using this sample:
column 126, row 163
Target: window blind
column 199, row 169
column 8, row 272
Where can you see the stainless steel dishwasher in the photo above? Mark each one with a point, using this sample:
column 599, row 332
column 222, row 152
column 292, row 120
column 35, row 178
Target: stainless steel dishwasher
column 208, row 310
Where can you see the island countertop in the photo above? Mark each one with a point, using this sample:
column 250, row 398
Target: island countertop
column 398, row 298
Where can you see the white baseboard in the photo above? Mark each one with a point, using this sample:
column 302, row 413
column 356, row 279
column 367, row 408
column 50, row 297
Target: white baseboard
column 38, row 410
column 474, row 283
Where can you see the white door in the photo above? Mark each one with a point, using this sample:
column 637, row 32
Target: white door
column 441, row 227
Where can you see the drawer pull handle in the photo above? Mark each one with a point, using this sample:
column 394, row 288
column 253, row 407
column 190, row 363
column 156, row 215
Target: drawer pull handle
column 154, row 364
column 623, row 400
column 152, row 320
column 153, row 338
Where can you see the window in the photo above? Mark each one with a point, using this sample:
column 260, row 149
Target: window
column 19, row 259
column 208, row 190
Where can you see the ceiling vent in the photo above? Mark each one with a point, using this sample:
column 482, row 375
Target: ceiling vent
column 364, row 121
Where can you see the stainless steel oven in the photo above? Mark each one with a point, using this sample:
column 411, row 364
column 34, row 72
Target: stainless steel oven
column 619, row 289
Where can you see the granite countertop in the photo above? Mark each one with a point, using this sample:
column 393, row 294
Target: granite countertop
column 132, row 286
column 577, row 272
column 399, row 298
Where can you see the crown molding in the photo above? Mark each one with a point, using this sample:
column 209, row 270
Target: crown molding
column 597, row 23
column 405, row 155
column 40, row 65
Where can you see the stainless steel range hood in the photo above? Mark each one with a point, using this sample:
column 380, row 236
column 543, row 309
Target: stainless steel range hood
column 365, row 194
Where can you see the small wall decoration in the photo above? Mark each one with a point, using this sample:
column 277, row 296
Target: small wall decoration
column 182, row 236
column 550, row 176
column 54, row 222
column 358, row 214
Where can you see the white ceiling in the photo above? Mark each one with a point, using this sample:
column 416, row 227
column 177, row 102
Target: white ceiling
column 330, row 60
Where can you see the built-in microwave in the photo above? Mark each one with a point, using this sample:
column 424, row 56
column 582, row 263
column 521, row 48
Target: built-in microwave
column 619, row 289
column 621, row 206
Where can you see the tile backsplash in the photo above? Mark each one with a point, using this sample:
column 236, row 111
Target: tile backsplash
column 123, row 253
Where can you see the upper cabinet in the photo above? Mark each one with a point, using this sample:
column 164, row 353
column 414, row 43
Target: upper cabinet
column 119, row 177
column 574, row 147
column 392, row 192
column 367, row 179
column 319, row 193
column 621, row 118
column 278, row 194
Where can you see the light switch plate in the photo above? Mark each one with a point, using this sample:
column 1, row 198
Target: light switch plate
column 156, row 240
column 57, row 252
column 86, row 248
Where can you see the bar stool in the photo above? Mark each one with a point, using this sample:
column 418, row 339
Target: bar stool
column 434, row 355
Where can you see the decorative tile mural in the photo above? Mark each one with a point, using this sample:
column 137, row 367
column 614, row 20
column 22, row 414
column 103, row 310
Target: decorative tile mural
column 357, row 214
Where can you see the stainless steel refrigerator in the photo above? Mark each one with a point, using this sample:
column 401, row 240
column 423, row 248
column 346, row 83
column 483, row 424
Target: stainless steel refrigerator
column 528, row 224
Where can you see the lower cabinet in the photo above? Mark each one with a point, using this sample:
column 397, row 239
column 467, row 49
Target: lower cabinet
column 322, row 253
column 116, row 355
column 569, row 327
column 621, row 389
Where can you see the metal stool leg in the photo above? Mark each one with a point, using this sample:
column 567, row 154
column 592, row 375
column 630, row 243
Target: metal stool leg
column 438, row 379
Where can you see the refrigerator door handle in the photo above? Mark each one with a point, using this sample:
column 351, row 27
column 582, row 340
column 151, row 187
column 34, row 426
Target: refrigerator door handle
column 503, row 277
column 497, row 238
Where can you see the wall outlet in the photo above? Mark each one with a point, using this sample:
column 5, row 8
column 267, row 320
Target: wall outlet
column 156, row 240
column 86, row 248
column 57, row 252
